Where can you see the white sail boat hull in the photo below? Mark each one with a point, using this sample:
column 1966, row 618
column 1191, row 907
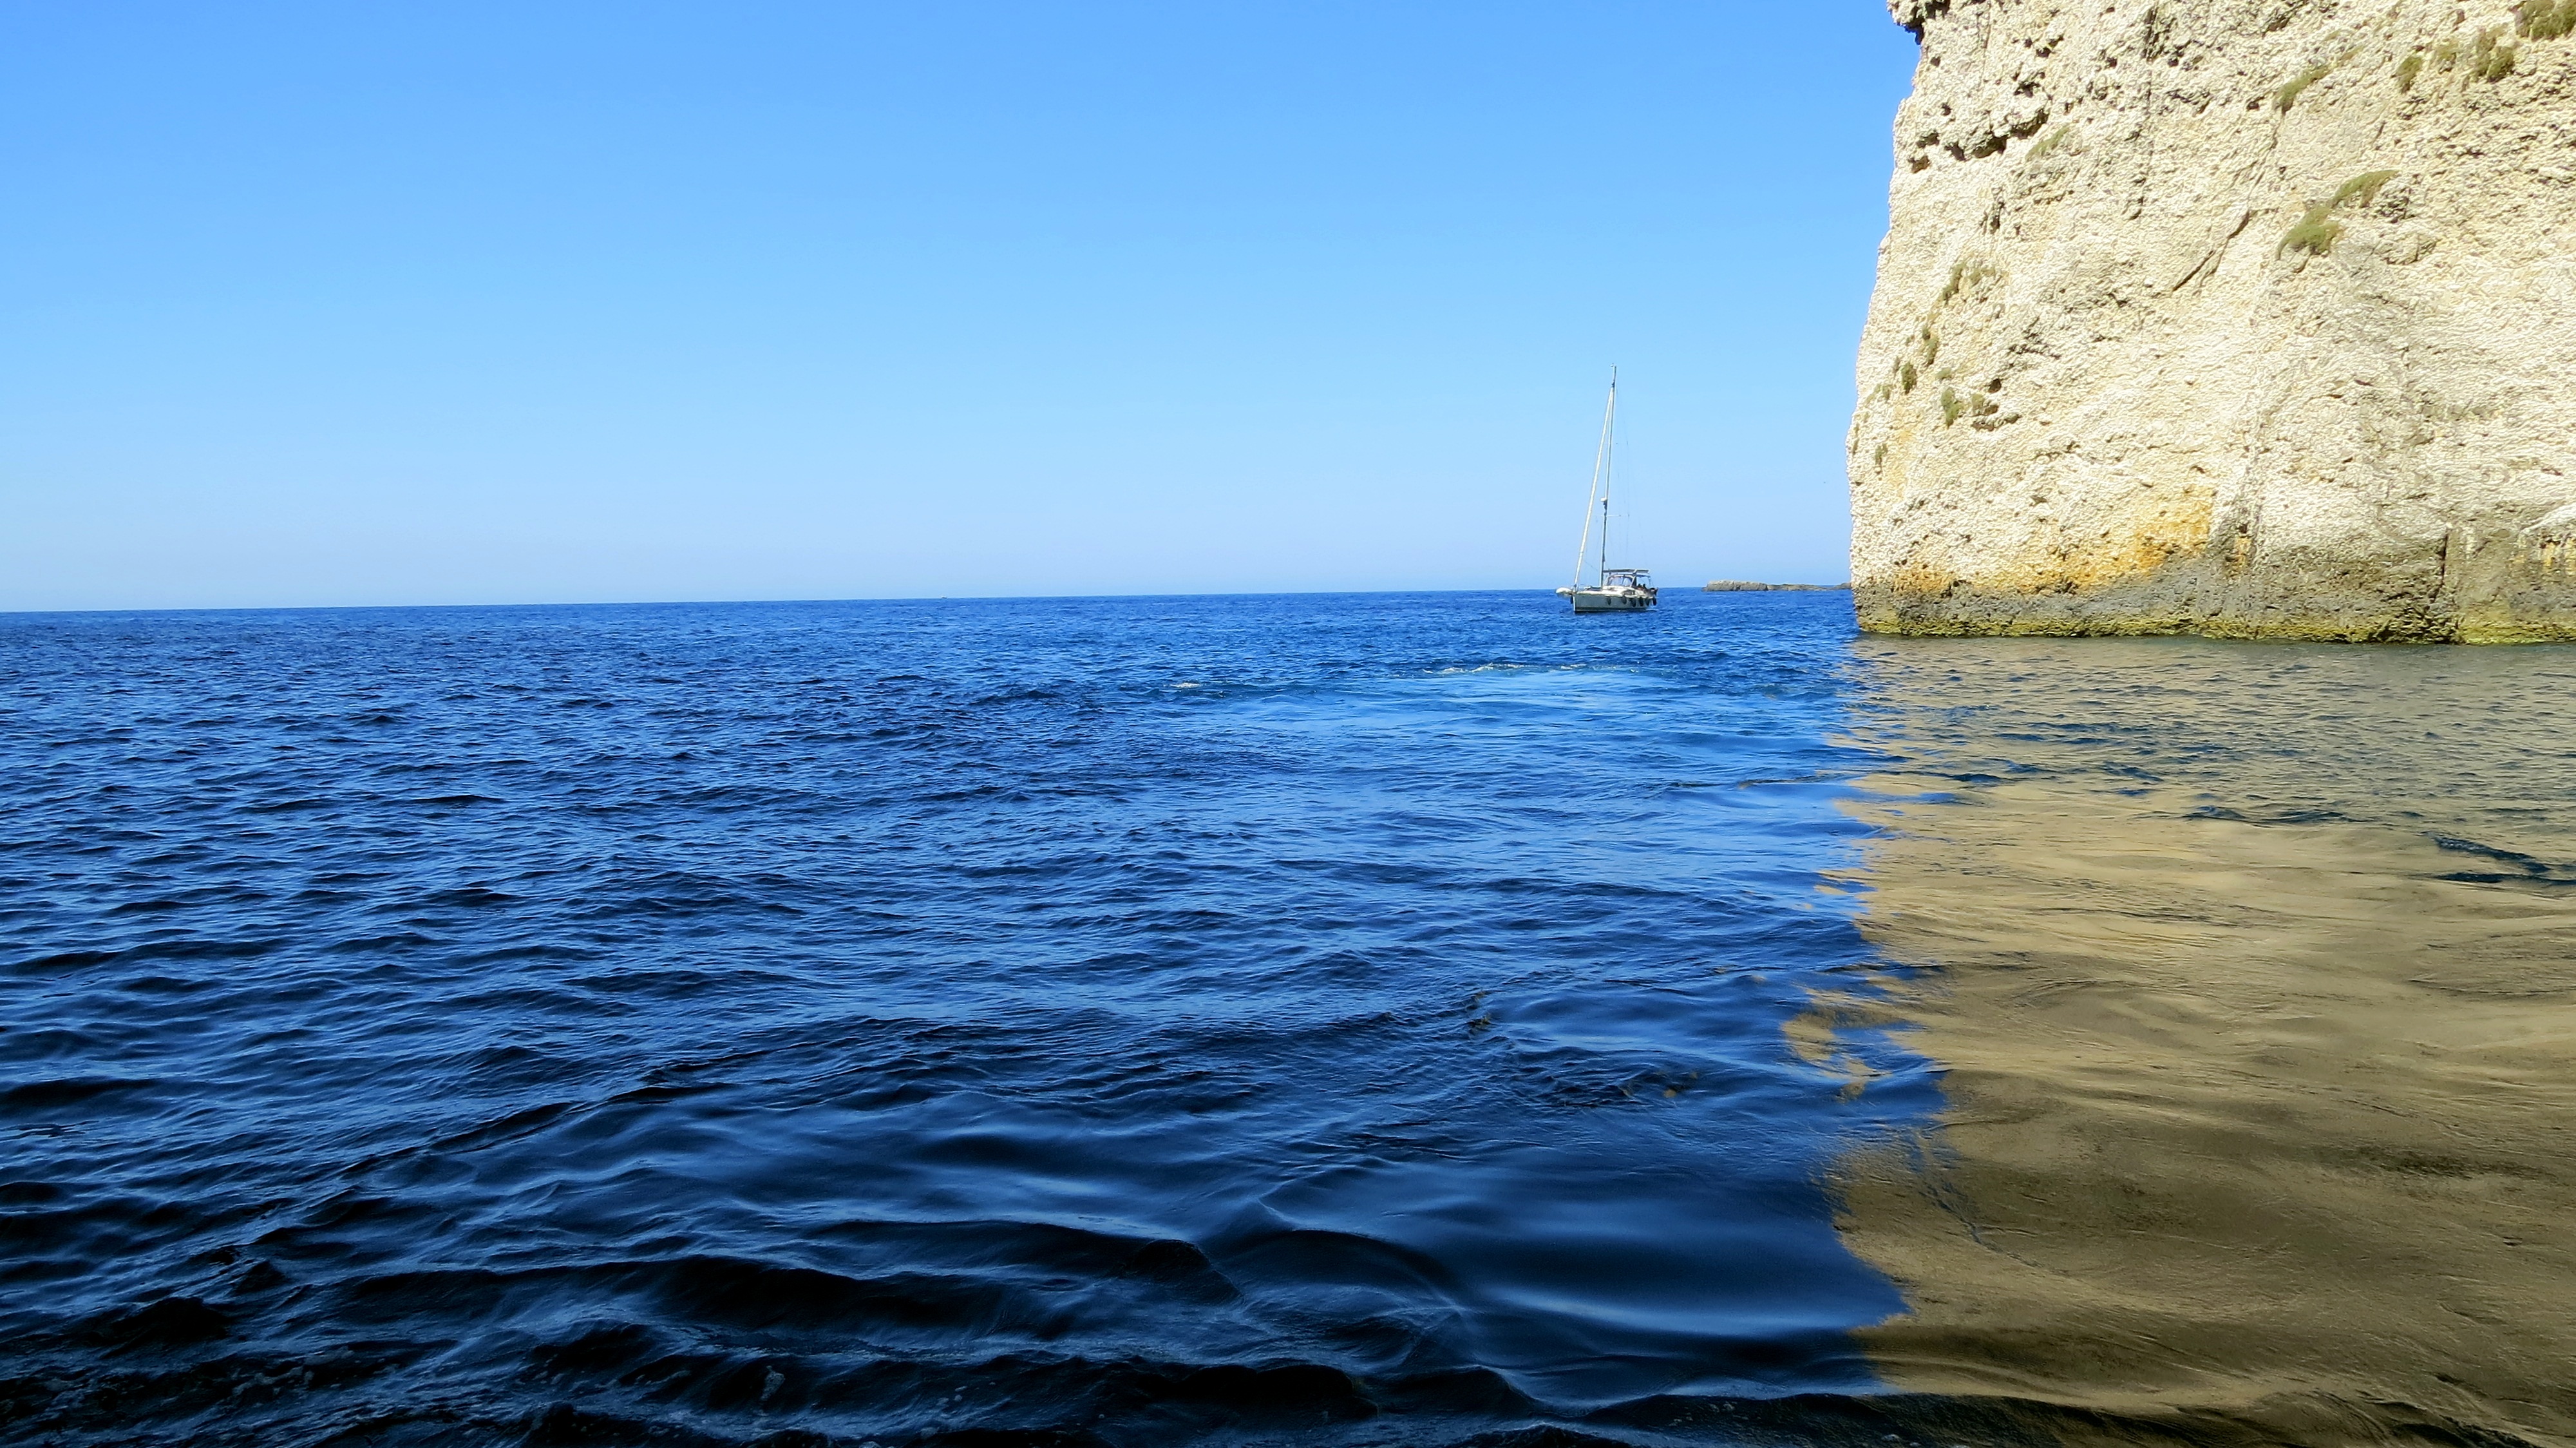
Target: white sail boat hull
column 1610, row 600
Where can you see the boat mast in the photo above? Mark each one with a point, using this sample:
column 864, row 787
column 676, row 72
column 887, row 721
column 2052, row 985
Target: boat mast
column 1600, row 487
column 1609, row 415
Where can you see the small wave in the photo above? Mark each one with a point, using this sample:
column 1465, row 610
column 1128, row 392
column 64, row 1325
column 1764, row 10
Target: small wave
column 35, row 1096
column 2521, row 868
column 63, row 960
column 535, row 950
column 374, row 944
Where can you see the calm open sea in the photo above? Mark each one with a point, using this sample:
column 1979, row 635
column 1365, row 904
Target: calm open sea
column 1402, row 1019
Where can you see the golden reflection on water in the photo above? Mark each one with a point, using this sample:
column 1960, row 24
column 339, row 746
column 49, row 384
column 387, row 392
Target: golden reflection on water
column 2251, row 970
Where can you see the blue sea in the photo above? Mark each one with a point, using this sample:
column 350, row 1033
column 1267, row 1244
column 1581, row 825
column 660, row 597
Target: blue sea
column 1359, row 1019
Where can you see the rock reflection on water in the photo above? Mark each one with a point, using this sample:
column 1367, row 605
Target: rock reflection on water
column 2252, row 969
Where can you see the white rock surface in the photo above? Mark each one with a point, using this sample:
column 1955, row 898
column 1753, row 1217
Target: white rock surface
column 2239, row 317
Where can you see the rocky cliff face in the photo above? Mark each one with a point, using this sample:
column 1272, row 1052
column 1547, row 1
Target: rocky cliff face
column 2238, row 317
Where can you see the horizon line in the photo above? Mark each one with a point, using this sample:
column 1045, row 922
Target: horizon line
column 13, row 613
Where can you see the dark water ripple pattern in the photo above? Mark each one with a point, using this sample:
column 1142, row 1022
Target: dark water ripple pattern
column 1121, row 1021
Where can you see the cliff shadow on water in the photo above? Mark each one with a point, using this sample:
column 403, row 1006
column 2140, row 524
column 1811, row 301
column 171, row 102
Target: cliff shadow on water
column 2251, row 971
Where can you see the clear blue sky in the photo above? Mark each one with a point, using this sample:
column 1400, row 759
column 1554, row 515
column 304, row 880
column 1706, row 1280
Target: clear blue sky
column 339, row 303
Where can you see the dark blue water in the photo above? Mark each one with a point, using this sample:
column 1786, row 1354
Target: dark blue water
column 1122, row 1021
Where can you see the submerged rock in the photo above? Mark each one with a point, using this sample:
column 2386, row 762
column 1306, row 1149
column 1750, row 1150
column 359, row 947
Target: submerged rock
column 2236, row 317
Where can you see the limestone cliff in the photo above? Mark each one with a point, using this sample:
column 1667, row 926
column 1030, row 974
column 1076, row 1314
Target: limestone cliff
column 2238, row 317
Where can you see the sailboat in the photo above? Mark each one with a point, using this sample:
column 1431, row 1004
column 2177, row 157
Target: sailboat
column 1612, row 590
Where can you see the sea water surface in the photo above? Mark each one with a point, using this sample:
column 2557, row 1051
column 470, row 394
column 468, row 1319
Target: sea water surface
column 1398, row 1019
column 1132, row 1019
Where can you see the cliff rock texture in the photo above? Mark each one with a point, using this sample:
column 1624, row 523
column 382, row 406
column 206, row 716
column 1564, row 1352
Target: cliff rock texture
column 2236, row 317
